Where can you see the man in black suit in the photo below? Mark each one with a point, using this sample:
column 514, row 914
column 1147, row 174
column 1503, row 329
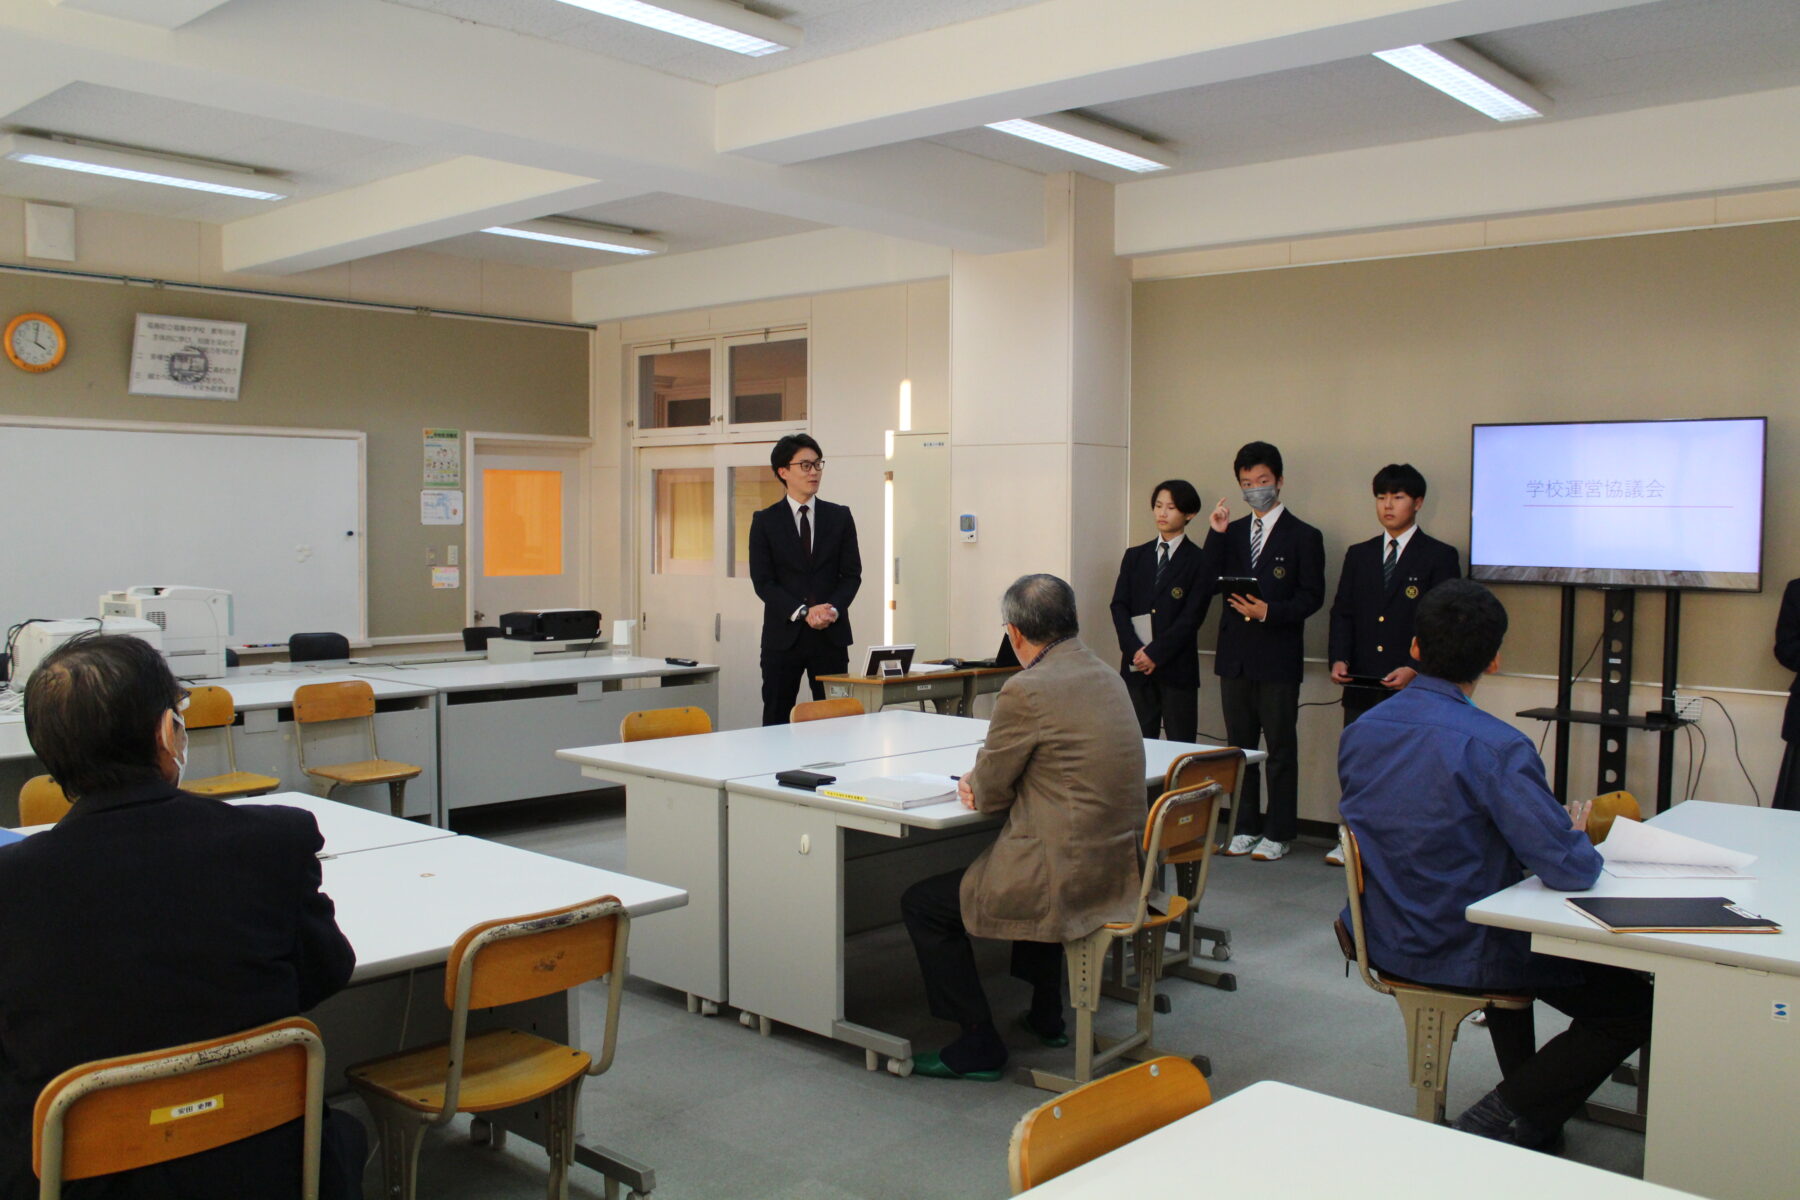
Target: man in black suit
column 1378, row 593
column 806, row 568
column 149, row 917
column 1261, row 642
column 1161, row 581
column 1787, row 653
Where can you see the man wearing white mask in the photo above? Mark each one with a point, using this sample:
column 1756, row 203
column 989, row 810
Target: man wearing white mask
column 150, row 917
column 1261, row 641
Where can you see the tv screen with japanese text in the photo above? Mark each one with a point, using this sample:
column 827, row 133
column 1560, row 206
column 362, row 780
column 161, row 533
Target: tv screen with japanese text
column 1671, row 504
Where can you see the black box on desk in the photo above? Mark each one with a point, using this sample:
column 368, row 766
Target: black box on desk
column 551, row 624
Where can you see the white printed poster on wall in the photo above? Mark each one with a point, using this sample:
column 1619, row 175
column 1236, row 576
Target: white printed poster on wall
column 187, row 357
column 443, row 458
column 439, row 507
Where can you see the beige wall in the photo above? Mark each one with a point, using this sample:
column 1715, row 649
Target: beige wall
column 322, row 366
column 1350, row 366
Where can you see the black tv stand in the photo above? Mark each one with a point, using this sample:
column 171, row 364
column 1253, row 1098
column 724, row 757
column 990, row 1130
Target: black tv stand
column 1615, row 692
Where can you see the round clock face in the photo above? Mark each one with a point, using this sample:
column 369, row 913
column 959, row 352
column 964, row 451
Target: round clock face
column 35, row 342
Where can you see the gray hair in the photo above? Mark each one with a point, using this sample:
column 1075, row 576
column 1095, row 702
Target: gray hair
column 1041, row 607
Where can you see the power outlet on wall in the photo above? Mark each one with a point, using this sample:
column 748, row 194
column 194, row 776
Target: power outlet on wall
column 1687, row 708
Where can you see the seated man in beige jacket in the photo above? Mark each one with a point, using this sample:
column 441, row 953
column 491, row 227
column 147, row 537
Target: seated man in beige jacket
column 1065, row 762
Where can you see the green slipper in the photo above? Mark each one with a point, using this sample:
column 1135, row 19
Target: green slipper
column 1056, row 1041
column 930, row 1064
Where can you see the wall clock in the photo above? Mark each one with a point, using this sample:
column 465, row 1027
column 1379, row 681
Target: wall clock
column 35, row 342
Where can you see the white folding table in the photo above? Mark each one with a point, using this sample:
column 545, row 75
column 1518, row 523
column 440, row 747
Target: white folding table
column 500, row 724
column 348, row 829
column 1726, row 1029
column 1272, row 1141
column 675, row 817
column 786, row 850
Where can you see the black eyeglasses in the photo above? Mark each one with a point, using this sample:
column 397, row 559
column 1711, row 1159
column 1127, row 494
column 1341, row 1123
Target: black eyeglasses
column 812, row 466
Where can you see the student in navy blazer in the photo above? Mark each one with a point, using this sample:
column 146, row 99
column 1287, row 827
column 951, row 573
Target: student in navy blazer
column 1372, row 614
column 1168, row 586
column 1261, row 642
column 806, row 568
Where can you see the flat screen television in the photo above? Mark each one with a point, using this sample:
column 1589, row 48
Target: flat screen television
column 1666, row 504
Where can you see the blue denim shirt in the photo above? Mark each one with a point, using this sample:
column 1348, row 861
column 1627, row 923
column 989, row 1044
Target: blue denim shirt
column 1449, row 806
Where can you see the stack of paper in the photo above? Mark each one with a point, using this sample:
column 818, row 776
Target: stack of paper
column 1634, row 850
column 895, row 791
column 920, row 668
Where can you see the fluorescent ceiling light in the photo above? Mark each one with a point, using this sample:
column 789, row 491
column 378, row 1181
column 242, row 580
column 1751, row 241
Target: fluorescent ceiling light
column 138, row 166
column 564, row 232
column 715, row 22
column 1460, row 73
column 1089, row 138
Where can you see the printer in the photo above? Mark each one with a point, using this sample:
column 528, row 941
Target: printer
column 195, row 623
column 36, row 639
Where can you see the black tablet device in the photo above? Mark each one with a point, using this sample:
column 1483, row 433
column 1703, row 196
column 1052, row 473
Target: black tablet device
column 1240, row 585
column 1367, row 681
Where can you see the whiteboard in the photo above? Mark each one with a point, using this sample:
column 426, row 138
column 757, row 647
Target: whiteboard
column 273, row 516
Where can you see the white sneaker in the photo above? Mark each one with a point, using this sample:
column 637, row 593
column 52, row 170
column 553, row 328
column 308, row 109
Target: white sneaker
column 1242, row 844
column 1335, row 855
column 1268, row 851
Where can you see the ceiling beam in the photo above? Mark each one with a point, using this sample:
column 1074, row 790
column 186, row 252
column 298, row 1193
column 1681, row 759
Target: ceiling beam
column 1064, row 54
column 446, row 200
column 1699, row 147
column 404, row 77
column 162, row 14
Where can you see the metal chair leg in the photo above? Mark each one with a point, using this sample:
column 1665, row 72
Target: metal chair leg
column 397, row 797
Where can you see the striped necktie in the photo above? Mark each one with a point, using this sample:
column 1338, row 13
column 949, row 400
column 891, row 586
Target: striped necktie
column 1387, row 564
column 1162, row 563
column 1256, row 530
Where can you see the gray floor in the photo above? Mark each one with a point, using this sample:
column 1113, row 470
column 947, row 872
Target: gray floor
column 721, row 1112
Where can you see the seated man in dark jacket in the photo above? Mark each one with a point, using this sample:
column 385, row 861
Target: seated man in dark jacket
column 1449, row 806
column 149, row 917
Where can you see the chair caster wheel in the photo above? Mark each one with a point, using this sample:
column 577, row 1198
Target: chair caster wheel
column 1221, row 952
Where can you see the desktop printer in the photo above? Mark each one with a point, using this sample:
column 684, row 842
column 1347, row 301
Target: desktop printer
column 36, row 639
column 550, row 624
column 195, row 622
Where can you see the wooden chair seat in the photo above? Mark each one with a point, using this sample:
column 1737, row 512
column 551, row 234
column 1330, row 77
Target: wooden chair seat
column 500, row 1069
column 374, row 770
column 1177, row 906
column 1347, row 943
column 231, row 783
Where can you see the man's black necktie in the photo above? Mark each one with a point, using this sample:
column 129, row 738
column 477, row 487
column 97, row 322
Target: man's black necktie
column 805, row 533
column 1387, row 564
column 1162, row 564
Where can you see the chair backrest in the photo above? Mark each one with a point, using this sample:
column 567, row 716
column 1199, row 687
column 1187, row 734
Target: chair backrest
column 337, row 701
column 1224, row 765
column 1358, row 949
column 513, row 959
column 310, row 647
column 118, row 1114
column 42, row 802
column 1606, row 809
column 1177, row 820
column 208, row 708
column 820, row 710
column 476, row 637
column 651, row 723
column 1061, row 1134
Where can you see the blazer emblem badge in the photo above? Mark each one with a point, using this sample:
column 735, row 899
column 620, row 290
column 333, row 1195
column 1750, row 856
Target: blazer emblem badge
column 1281, row 572
column 1176, row 592
column 1412, row 591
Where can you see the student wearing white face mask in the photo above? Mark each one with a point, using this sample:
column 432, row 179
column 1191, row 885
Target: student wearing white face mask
column 1260, row 641
column 149, row 917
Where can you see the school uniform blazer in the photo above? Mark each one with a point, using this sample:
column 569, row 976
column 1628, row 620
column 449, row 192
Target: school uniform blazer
column 1372, row 622
column 1787, row 652
column 785, row 578
column 1064, row 761
column 1176, row 610
column 1291, row 573
column 146, row 918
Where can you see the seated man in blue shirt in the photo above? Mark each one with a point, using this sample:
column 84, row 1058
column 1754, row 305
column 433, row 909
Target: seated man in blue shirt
column 1449, row 806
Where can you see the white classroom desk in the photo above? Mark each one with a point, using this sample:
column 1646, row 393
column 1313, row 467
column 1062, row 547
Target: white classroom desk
column 1726, row 1065
column 349, row 829
column 1352, row 1152
column 675, row 817
column 499, row 725
column 786, row 857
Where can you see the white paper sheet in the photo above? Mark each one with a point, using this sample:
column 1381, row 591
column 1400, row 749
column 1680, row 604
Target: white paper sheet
column 1140, row 625
column 1633, row 850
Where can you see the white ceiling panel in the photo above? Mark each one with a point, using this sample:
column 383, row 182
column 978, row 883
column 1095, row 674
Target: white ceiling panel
column 832, row 27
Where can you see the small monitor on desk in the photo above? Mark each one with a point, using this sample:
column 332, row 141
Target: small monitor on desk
column 888, row 662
